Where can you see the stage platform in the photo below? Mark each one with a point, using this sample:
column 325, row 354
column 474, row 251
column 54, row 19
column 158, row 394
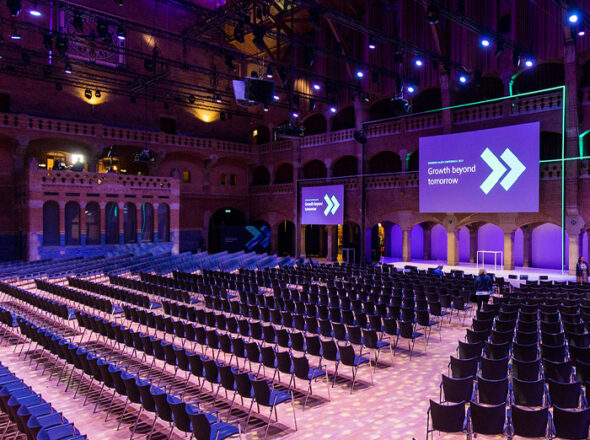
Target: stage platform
column 532, row 273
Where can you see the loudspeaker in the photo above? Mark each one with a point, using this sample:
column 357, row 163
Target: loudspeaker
column 259, row 90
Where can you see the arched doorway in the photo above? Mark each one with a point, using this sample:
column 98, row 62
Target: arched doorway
column 286, row 238
column 221, row 219
column 316, row 240
column 349, row 237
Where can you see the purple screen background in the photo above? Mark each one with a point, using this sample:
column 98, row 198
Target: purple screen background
column 317, row 217
column 465, row 150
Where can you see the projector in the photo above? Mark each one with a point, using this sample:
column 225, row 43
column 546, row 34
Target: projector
column 288, row 131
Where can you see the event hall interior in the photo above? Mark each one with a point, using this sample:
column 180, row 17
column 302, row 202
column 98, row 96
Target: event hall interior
column 273, row 219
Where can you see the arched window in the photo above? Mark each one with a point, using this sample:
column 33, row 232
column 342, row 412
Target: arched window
column 72, row 214
column 163, row 222
column 284, row 173
column 129, row 223
column 112, row 223
column 260, row 176
column 147, row 222
column 92, row 215
column 50, row 224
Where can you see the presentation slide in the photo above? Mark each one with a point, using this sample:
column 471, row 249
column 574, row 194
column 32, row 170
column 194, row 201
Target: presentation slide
column 494, row 170
column 322, row 205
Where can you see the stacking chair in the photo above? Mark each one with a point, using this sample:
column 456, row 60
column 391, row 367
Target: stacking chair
column 445, row 418
column 528, row 393
column 462, row 368
column 492, row 391
column 406, row 331
column 468, row 350
column 266, row 396
column 529, row 422
column 568, row 424
column 565, row 395
column 302, row 370
column 488, row 419
column 349, row 358
column 456, row 390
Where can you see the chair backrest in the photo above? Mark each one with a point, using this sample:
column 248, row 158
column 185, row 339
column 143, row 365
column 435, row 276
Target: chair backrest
column 329, row 350
column 211, row 371
column 243, row 384
column 347, row 355
column 390, row 326
column 559, row 371
column 227, row 377
column 492, row 392
column 528, row 393
column 447, row 418
column 571, row 424
column 181, row 419
column 461, row 368
column 301, row 367
column 313, row 345
column 526, row 370
column 284, row 362
column 406, row 329
column 529, row 422
column 268, row 357
column 525, row 352
column 261, row 392
column 564, row 395
column 162, row 407
column 488, row 420
column 494, row 368
column 130, row 382
column 457, row 390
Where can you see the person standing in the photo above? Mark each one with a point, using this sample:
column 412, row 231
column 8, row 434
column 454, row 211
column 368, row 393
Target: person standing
column 483, row 288
column 581, row 271
column 438, row 271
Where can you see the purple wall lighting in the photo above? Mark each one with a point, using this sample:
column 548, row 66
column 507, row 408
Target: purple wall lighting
column 417, row 237
column 546, row 247
column 438, row 250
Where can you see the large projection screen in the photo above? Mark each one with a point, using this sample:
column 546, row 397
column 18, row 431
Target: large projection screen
column 493, row 170
column 322, row 205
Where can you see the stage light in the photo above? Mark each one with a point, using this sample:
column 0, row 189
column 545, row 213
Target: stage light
column 581, row 30
column 14, row 35
column 295, row 114
column 14, row 7
column 265, row 108
column 418, row 62
column 258, row 40
column 121, row 33
column 35, row 11
column 192, row 99
column 88, row 94
column 61, row 45
column 333, row 110
column 360, row 74
column 485, row 42
column 432, row 15
column 218, row 99
column 372, row 43
column 462, row 78
column 229, row 62
column 98, row 93
column 317, row 87
column 573, row 17
column 269, row 72
column 410, row 89
column 276, row 97
column 529, row 61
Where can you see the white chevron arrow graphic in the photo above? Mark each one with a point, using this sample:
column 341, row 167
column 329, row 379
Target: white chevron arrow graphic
column 329, row 204
column 497, row 170
column 336, row 204
column 516, row 169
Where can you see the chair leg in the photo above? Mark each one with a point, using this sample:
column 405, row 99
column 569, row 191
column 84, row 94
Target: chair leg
column 293, row 408
column 354, row 371
column 268, row 424
column 123, row 413
column 136, row 423
column 149, row 436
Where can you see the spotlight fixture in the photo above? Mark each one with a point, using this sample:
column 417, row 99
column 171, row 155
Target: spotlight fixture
column 239, row 33
column 360, row 74
column 191, row 99
column 529, row 61
column 61, row 45
column 258, row 40
column 418, row 62
column 265, row 108
column 218, row 99
column 14, row 7
column 35, row 11
column 462, row 78
column 78, row 24
column 276, row 97
column 68, row 68
column 433, row 15
column 581, row 30
column 333, row 109
column 485, row 42
column 14, row 35
column 316, row 87
column 121, row 33
column 98, row 93
column 295, row 115
column 269, row 72
column 229, row 62
column 372, row 43
column 88, row 93
column 573, row 17
column 411, row 89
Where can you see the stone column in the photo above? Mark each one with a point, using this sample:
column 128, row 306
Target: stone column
column 301, row 247
column 403, row 157
column 427, row 242
column 473, row 243
column 387, row 240
column 527, row 245
column 574, row 226
column 103, row 222
column 62, row 223
column 452, row 247
column 139, row 222
column 155, row 205
column 121, row 206
column 407, row 244
column 508, row 250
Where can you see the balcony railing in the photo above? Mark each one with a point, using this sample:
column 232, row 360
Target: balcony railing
column 111, row 133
